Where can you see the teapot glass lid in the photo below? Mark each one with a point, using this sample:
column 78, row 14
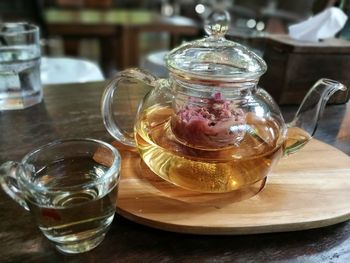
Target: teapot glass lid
column 215, row 57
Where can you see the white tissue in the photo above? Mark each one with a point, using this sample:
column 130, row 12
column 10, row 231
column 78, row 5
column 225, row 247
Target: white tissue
column 323, row 25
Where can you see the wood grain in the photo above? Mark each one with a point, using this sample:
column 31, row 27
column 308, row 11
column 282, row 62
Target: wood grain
column 310, row 189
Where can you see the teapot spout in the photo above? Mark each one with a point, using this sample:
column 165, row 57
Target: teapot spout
column 304, row 125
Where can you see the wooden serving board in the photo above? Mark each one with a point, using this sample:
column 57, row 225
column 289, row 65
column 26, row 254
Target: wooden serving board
column 309, row 189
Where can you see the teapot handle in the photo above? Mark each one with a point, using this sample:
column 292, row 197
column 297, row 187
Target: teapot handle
column 126, row 76
column 9, row 182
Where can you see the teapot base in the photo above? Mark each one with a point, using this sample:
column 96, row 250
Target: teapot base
column 298, row 196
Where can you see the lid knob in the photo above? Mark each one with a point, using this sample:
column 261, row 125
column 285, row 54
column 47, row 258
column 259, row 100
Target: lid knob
column 217, row 23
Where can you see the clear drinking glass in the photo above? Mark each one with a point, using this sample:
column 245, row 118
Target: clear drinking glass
column 20, row 85
column 70, row 187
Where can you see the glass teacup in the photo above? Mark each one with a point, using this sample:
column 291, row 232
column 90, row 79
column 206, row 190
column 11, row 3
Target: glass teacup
column 70, row 187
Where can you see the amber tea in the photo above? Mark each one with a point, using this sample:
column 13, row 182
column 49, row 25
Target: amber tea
column 73, row 217
column 207, row 170
column 70, row 188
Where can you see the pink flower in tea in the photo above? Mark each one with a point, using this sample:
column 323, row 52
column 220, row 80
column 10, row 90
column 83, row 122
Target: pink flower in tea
column 208, row 124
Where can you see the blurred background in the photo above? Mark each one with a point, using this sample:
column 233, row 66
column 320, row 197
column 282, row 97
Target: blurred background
column 116, row 34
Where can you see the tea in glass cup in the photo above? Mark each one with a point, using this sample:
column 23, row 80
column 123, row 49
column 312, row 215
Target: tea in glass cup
column 70, row 187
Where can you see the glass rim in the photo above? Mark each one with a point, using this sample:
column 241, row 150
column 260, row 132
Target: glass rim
column 112, row 170
column 33, row 28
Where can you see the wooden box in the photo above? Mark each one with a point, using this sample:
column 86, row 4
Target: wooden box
column 293, row 67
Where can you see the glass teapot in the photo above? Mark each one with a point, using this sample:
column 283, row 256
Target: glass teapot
column 209, row 127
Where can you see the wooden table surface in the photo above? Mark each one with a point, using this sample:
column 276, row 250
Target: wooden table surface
column 74, row 111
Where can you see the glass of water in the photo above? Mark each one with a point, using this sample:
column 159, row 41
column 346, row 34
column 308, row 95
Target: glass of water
column 70, row 187
column 20, row 85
